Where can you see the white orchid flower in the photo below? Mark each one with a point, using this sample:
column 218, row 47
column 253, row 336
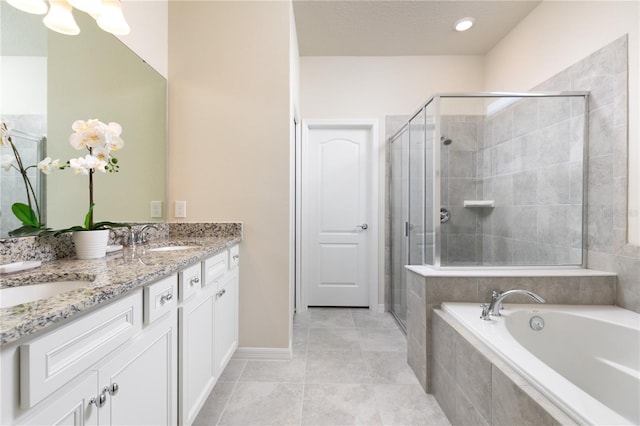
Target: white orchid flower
column 78, row 165
column 4, row 134
column 115, row 128
column 94, row 163
column 6, row 161
column 114, row 143
column 101, row 154
column 46, row 166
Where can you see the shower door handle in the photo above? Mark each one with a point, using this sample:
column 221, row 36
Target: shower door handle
column 364, row 226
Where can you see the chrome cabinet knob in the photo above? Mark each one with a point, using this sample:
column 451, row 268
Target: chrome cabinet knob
column 236, row 257
column 113, row 389
column 100, row 400
column 194, row 280
column 363, row 226
column 165, row 298
column 221, row 292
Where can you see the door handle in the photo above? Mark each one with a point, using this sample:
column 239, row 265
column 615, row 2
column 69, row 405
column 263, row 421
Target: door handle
column 363, row 226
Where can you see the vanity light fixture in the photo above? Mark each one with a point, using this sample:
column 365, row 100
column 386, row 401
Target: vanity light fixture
column 464, row 24
column 37, row 7
column 107, row 13
column 111, row 18
column 92, row 7
column 60, row 18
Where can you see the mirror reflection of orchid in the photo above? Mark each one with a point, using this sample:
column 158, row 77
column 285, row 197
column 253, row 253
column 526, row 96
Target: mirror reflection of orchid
column 29, row 214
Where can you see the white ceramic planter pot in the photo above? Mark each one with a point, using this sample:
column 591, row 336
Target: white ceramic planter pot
column 91, row 244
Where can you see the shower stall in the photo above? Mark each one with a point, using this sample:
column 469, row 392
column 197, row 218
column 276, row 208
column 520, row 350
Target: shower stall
column 488, row 180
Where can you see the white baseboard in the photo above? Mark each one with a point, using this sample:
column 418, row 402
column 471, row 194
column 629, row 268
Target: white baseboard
column 380, row 308
column 263, row 354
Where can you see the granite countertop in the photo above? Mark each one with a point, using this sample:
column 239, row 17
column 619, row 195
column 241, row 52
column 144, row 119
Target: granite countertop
column 110, row 277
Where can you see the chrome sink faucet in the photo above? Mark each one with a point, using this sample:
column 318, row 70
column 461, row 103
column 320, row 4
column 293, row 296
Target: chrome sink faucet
column 140, row 236
column 493, row 308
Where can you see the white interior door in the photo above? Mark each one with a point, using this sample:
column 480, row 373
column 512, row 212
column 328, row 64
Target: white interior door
column 339, row 190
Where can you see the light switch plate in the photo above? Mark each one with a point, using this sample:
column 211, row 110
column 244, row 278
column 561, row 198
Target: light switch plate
column 156, row 209
column 181, row 209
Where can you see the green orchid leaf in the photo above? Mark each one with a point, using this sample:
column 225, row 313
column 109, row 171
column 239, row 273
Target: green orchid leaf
column 64, row 231
column 27, row 230
column 87, row 218
column 108, row 225
column 25, row 214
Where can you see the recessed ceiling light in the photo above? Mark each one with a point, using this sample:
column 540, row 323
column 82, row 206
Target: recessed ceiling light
column 464, row 24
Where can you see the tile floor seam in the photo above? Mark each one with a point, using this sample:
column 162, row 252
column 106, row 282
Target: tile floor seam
column 226, row 404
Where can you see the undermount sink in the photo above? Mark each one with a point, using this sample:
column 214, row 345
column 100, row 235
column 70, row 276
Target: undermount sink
column 12, row 296
column 172, row 248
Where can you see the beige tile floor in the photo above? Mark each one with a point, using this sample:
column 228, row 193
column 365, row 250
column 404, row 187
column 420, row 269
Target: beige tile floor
column 348, row 368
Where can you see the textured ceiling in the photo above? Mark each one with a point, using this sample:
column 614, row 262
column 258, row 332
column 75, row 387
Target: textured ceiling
column 392, row 28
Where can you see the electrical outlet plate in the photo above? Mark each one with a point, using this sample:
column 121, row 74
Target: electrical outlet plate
column 181, row 209
column 156, row 209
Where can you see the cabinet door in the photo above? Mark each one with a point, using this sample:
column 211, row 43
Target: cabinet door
column 196, row 354
column 72, row 407
column 226, row 320
column 141, row 379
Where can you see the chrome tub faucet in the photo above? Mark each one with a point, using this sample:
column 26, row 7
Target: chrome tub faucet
column 493, row 308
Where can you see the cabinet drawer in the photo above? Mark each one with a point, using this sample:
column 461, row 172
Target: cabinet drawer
column 159, row 298
column 189, row 281
column 50, row 361
column 215, row 268
column 234, row 257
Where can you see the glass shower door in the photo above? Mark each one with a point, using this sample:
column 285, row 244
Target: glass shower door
column 398, row 193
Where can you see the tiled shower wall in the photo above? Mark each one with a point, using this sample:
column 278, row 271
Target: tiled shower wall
column 527, row 158
column 531, row 166
column 605, row 74
column 461, row 237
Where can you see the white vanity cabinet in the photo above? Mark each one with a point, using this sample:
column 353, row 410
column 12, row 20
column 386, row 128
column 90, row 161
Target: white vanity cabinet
column 208, row 322
column 105, row 368
column 140, row 381
column 197, row 369
column 69, row 407
column 151, row 357
column 226, row 319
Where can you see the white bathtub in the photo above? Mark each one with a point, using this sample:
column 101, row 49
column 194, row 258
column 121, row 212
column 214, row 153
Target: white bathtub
column 586, row 359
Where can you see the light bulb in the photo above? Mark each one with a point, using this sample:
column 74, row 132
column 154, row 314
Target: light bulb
column 37, row 7
column 464, row 24
column 60, row 18
column 111, row 18
column 92, row 7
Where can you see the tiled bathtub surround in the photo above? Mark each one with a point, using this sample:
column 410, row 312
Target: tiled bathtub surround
column 473, row 386
column 427, row 290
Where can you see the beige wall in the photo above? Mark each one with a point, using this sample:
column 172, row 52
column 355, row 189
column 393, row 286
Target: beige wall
column 558, row 34
column 345, row 87
column 229, row 144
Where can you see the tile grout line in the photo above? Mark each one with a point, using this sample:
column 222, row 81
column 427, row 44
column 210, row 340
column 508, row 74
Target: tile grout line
column 235, row 385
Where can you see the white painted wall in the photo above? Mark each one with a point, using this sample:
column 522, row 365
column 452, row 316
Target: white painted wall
column 149, row 37
column 344, row 87
column 557, row 34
